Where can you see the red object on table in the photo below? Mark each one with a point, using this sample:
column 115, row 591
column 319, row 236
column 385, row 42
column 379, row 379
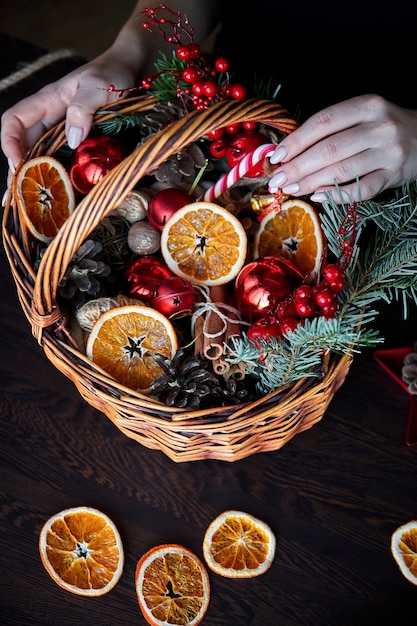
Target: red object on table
column 392, row 362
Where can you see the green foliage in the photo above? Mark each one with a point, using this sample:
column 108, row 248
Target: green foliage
column 382, row 266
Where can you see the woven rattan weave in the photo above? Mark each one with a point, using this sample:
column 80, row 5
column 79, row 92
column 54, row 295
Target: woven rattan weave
column 226, row 433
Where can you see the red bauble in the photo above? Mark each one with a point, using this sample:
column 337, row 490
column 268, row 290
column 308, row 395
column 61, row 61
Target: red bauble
column 261, row 286
column 165, row 203
column 243, row 144
column 144, row 275
column 93, row 159
column 174, row 295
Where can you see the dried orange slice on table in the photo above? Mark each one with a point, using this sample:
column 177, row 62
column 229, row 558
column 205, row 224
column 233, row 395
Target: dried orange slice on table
column 294, row 232
column 44, row 195
column 238, row 545
column 82, row 551
column 172, row 586
column 404, row 550
column 204, row 243
column 124, row 342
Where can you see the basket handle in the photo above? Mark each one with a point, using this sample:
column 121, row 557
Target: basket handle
column 109, row 193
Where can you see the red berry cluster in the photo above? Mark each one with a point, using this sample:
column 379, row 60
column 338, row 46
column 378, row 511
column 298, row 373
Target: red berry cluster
column 322, row 298
column 198, row 84
column 222, row 137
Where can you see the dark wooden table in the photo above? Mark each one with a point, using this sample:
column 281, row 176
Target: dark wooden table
column 333, row 496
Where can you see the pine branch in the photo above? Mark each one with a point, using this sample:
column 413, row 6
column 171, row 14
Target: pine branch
column 278, row 362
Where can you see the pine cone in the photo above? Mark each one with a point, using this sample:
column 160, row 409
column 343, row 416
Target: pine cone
column 187, row 381
column 81, row 278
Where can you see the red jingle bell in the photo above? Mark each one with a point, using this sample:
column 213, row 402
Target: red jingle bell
column 144, row 275
column 174, row 295
column 261, row 285
column 93, row 159
column 164, row 204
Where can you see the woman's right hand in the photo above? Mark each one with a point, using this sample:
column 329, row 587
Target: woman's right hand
column 75, row 97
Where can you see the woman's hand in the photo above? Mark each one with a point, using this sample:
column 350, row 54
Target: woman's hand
column 75, row 97
column 352, row 150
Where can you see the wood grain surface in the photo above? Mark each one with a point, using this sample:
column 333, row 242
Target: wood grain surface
column 333, row 496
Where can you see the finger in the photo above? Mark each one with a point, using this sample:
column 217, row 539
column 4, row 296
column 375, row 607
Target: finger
column 24, row 123
column 329, row 121
column 82, row 108
column 363, row 189
column 341, row 172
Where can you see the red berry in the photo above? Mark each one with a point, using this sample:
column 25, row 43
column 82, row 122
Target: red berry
column 238, row 92
column 210, row 88
column 190, row 75
column 336, row 285
column 324, row 298
column 221, row 64
column 232, row 129
column 304, row 291
column 304, row 307
column 332, row 272
column 249, row 125
column 215, row 134
column 197, row 88
column 329, row 311
column 194, row 49
column 183, row 52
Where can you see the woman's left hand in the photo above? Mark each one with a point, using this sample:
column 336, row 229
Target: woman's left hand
column 353, row 150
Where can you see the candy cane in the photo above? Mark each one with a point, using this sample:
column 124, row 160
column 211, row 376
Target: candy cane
column 238, row 171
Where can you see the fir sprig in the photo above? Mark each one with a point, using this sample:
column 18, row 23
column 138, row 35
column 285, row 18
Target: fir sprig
column 382, row 266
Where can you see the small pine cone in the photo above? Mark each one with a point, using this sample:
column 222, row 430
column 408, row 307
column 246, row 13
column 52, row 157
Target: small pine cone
column 82, row 276
column 186, row 380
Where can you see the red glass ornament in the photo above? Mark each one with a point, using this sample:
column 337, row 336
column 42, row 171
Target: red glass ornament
column 165, row 203
column 261, row 285
column 174, row 295
column 93, row 159
column 144, row 275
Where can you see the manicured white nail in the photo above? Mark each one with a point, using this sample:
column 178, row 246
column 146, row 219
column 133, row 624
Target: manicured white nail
column 279, row 155
column 11, row 165
column 3, row 200
column 75, row 135
column 277, row 180
column 318, row 197
column 290, row 189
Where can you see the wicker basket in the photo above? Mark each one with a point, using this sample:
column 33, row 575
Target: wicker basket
column 226, row 433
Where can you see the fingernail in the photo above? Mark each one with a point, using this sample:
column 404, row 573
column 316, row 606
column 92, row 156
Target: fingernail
column 74, row 137
column 4, row 198
column 279, row 155
column 278, row 180
column 11, row 165
column 318, row 197
column 290, row 189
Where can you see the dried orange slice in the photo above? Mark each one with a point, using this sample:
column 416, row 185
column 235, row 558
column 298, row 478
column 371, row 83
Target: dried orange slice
column 44, row 195
column 295, row 233
column 172, row 586
column 404, row 550
column 125, row 340
column 238, row 545
column 81, row 550
column 204, row 243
